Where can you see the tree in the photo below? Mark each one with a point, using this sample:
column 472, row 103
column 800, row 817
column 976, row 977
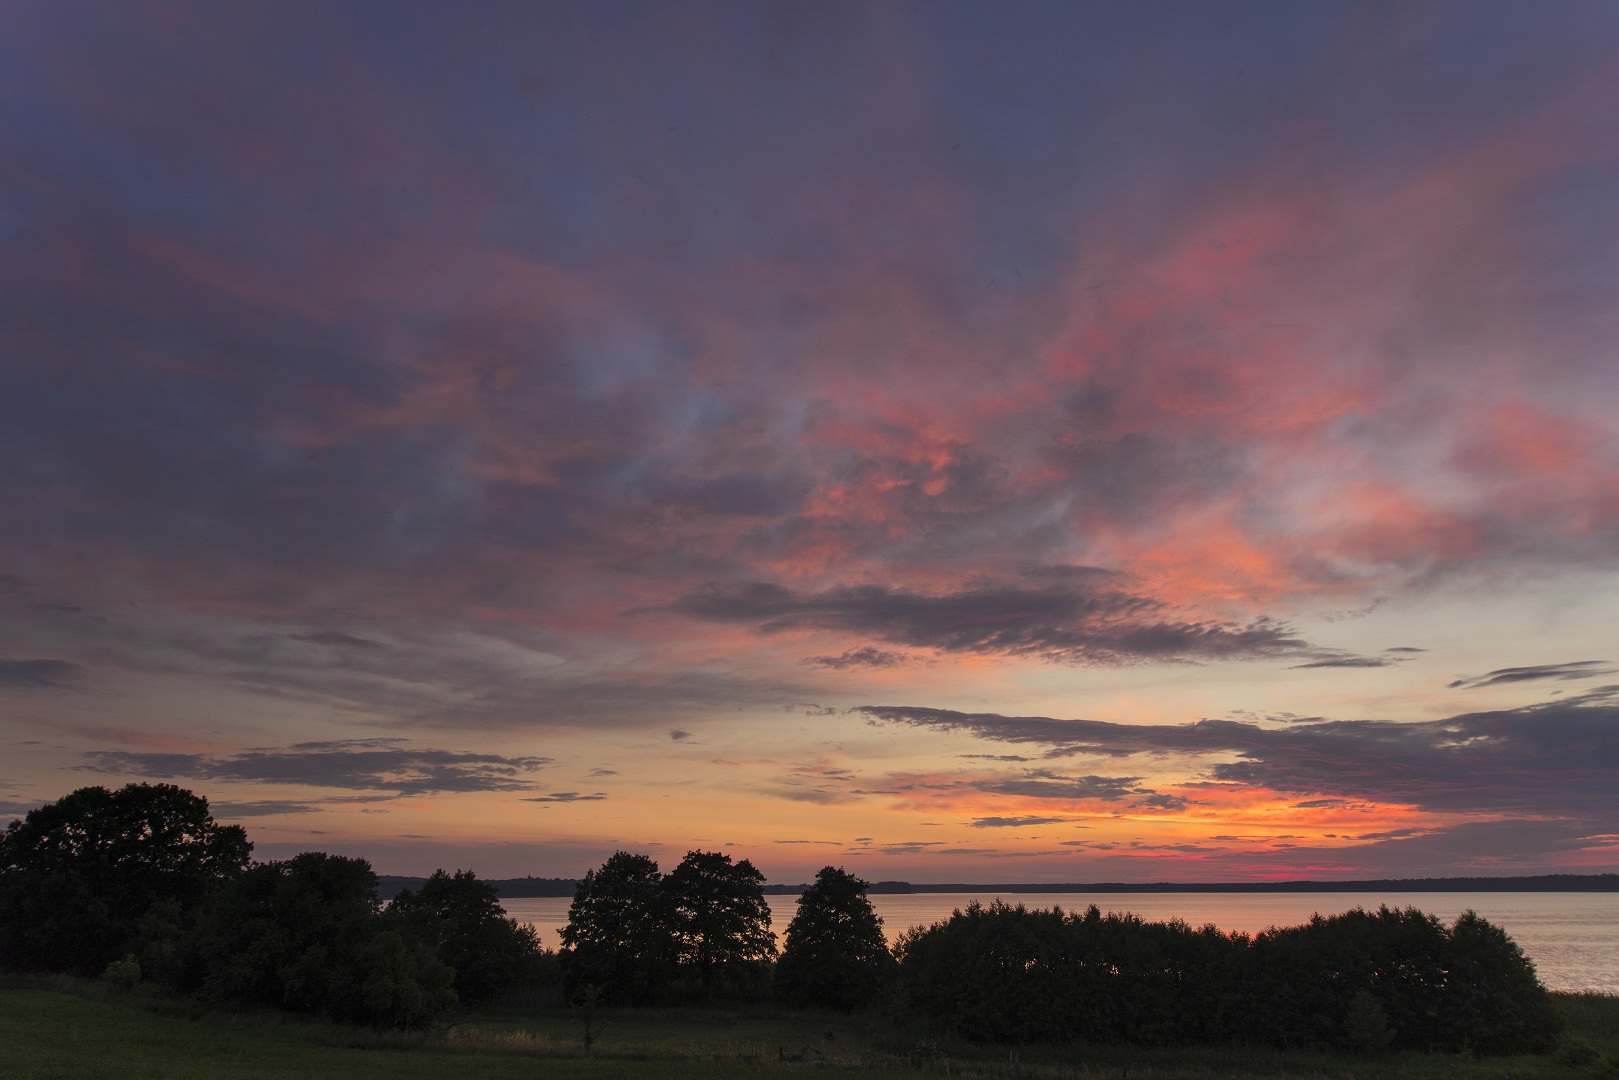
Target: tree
column 1496, row 1003
column 835, row 953
column 308, row 935
column 77, row 876
column 721, row 922
column 620, row 939
column 461, row 918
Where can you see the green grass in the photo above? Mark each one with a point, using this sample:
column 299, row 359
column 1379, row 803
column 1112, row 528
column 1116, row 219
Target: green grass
column 78, row 1031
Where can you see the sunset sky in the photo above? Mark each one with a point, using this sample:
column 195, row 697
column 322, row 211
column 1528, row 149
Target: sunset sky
column 975, row 442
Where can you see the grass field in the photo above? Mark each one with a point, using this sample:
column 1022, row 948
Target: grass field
column 77, row 1031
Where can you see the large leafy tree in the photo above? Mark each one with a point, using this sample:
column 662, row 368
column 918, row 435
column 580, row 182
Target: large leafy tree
column 835, row 954
column 721, row 921
column 463, row 920
column 77, row 876
column 619, row 942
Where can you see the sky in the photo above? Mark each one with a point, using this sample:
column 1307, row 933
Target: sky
column 958, row 442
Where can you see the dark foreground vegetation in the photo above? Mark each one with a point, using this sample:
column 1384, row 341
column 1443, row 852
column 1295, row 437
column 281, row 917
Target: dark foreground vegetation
column 142, row 891
column 60, row 1029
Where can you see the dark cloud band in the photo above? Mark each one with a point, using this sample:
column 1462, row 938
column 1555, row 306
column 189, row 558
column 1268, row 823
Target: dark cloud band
column 1559, row 759
column 359, row 765
column 1069, row 621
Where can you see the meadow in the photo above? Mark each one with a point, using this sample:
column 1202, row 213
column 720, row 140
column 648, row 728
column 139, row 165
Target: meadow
column 57, row 1028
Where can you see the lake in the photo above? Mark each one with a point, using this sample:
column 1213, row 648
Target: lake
column 1573, row 938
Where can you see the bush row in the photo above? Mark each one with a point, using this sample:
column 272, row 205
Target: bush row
column 1359, row 981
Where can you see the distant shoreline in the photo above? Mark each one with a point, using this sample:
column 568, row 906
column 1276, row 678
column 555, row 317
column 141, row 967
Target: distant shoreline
column 515, row 888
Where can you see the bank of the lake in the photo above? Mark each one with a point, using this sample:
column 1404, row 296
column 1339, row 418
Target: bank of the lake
column 1573, row 937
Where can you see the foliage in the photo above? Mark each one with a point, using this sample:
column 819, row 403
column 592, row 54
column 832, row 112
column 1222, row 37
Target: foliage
column 1467, row 987
column 619, row 938
column 835, row 954
column 1496, row 1003
column 1360, row 981
column 123, row 974
column 634, row 937
column 462, row 920
column 78, row 875
column 1366, row 1025
column 307, row 935
column 721, row 922
column 1002, row 973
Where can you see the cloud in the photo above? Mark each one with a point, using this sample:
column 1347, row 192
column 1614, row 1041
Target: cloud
column 1015, row 822
column 40, row 675
column 335, row 638
column 1348, row 662
column 1511, row 845
column 823, row 796
column 1558, row 759
column 12, row 806
column 866, row 656
column 263, row 808
column 909, row 847
column 567, row 796
column 1160, row 801
column 677, row 735
column 1072, row 618
column 1043, row 784
column 455, row 675
column 1579, row 669
column 357, row 764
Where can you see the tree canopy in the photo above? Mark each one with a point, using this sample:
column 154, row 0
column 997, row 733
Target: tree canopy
column 835, row 953
column 633, row 935
column 307, row 935
column 78, row 875
column 462, row 919
column 619, row 939
column 721, row 920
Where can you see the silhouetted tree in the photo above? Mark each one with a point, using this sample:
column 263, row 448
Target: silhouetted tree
column 620, row 937
column 721, row 922
column 834, row 953
column 77, row 876
column 461, row 918
column 308, row 935
column 1496, row 1003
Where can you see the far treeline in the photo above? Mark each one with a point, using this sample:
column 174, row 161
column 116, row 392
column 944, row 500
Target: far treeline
column 515, row 888
column 142, row 886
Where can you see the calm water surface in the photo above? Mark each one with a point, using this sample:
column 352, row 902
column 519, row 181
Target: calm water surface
column 1573, row 938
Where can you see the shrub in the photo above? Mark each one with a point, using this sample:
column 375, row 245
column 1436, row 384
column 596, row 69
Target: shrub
column 1361, row 981
column 122, row 974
